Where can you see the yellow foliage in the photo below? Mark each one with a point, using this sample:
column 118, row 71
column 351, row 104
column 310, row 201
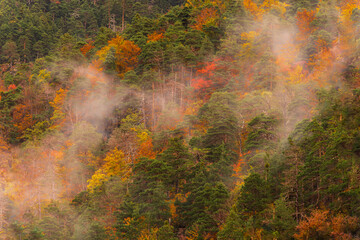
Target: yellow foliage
column 44, row 75
column 193, row 108
column 249, row 36
column 253, row 8
column 296, row 76
column 148, row 235
column 115, row 165
column 248, row 46
column 259, row 10
column 192, row 234
column 57, row 105
column 97, row 179
column 127, row 221
column 281, row 7
column 143, row 136
column 347, row 10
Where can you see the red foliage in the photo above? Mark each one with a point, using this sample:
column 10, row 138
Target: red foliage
column 209, row 68
column 200, row 83
column 213, row 75
column 11, row 87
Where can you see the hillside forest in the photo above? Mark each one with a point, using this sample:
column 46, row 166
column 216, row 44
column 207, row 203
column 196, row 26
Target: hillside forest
column 179, row 119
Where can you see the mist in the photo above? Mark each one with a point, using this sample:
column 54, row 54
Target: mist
column 117, row 100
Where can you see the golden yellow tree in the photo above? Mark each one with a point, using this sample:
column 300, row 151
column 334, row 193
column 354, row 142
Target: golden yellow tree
column 115, row 165
column 58, row 103
column 258, row 10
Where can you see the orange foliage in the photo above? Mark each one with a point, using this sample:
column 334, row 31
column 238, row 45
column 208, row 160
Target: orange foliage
column 207, row 16
column 321, row 224
column 126, row 54
column 22, row 118
column 200, row 83
column 237, row 167
column 96, row 65
column 345, row 40
column 111, row 232
column 347, row 9
column 146, row 149
column 252, row 7
column 3, row 145
column 202, row 127
column 155, row 36
column 304, row 19
column 193, row 233
column 87, row 47
column 173, row 209
column 258, row 10
column 322, row 63
column 94, row 74
column 287, row 56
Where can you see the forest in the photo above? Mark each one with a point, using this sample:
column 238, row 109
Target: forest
column 179, row 119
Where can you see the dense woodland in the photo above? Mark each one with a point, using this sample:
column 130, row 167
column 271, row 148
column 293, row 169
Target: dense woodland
column 181, row 119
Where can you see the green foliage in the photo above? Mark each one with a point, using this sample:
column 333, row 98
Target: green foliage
column 297, row 5
column 9, row 99
column 265, row 70
column 220, row 114
column 37, row 132
column 205, row 202
column 249, row 211
column 233, row 228
column 262, row 133
column 35, row 234
column 166, row 232
column 97, row 232
column 283, row 223
column 57, row 224
column 254, row 195
column 230, row 170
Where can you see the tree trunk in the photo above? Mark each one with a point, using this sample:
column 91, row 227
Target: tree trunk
column 123, row 16
column 153, row 106
column 143, row 106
